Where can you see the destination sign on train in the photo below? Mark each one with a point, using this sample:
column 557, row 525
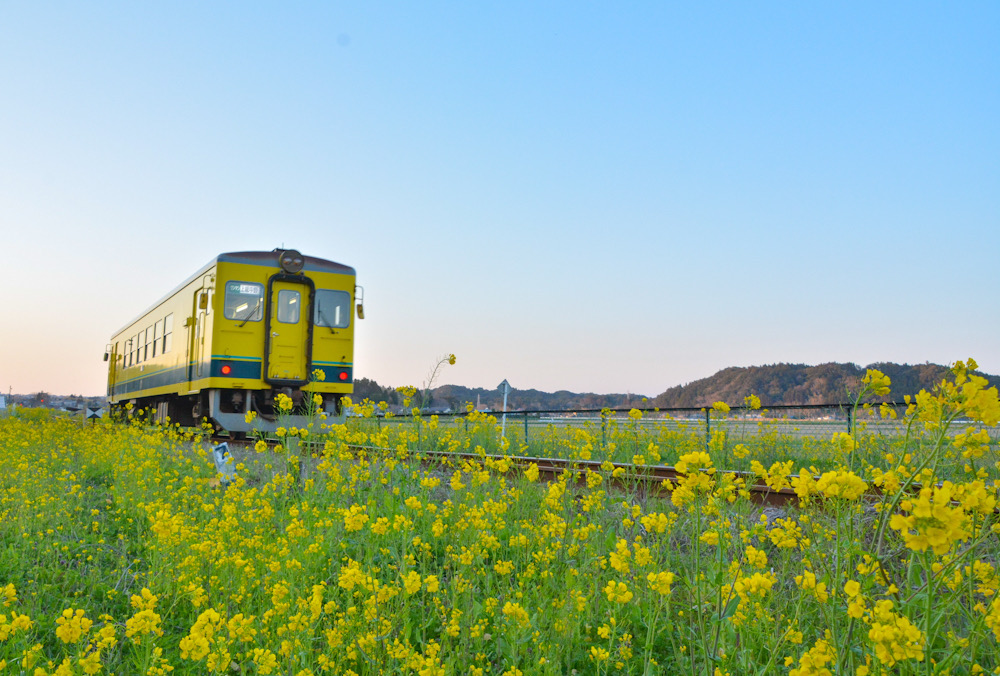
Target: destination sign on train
column 247, row 289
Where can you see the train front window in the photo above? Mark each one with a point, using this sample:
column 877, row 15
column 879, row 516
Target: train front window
column 289, row 304
column 333, row 308
column 244, row 302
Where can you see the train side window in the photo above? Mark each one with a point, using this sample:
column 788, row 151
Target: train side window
column 147, row 353
column 138, row 347
column 168, row 332
column 244, row 301
column 333, row 309
column 128, row 352
column 157, row 336
column 289, row 304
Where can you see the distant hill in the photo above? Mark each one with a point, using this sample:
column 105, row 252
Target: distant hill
column 455, row 397
column 802, row 384
column 528, row 400
column 774, row 384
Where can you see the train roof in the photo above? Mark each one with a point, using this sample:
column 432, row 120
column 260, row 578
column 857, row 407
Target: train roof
column 267, row 258
column 270, row 258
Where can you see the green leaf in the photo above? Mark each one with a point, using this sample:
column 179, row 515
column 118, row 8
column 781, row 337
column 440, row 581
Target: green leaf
column 730, row 609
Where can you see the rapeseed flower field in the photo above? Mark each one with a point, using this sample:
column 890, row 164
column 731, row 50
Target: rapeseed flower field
column 344, row 550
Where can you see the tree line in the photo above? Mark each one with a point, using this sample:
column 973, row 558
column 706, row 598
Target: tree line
column 775, row 384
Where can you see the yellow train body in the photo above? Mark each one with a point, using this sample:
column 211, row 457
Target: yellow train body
column 245, row 327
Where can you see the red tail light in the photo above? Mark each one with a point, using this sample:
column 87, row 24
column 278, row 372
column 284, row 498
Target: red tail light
column 226, row 369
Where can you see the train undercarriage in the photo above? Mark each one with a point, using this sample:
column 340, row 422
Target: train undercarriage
column 226, row 409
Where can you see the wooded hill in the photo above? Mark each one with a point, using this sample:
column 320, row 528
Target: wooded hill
column 773, row 383
column 802, row 384
column 455, row 397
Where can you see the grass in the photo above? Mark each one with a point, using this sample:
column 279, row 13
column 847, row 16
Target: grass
column 120, row 552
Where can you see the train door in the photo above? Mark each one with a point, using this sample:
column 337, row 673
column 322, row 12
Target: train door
column 197, row 360
column 113, row 365
column 289, row 327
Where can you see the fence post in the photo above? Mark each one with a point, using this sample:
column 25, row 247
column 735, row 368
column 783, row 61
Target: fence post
column 708, row 427
column 526, row 427
column 850, row 423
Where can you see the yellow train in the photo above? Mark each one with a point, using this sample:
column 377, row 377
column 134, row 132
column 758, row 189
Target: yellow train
column 244, row 328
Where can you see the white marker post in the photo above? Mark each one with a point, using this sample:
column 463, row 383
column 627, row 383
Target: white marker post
column 224, row 464
column 505, row 388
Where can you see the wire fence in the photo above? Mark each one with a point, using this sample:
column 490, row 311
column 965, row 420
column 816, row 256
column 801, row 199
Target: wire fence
column 801, row 420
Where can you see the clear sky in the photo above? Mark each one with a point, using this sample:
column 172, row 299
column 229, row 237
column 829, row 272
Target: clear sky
column 601, row 197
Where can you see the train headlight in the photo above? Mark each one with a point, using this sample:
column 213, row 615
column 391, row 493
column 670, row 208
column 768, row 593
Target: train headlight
column 291, row 261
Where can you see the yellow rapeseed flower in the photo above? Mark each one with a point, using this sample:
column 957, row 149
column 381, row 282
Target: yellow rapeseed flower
column 710, row 537
column 895, row 637
column 283, row 401
column 814, row 661
column 411, row 582
column 9, row 594
column 72, row 625
column 516, row 613
column 617, row 592
column 660, row 582
column 598, row 654
column 929, row 521
column 841, row 484
column 876, row 382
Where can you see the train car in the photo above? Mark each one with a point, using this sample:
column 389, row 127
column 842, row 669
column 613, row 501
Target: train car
column 244, row 328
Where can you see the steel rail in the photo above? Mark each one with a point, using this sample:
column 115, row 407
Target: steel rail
column 653, row 478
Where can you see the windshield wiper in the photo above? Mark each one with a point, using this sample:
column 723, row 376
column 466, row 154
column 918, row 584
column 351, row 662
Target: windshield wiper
column 322, row 316
column 251, row 314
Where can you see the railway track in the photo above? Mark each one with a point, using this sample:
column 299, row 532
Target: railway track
column 654, row 479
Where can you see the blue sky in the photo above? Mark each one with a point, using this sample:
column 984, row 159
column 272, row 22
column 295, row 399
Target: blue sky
column 580, row 196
